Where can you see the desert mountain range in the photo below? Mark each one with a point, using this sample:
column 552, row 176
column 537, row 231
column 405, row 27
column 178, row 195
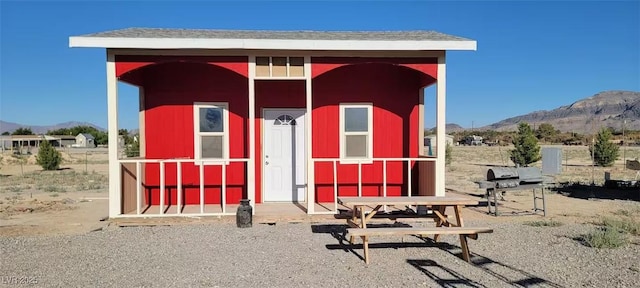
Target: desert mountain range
column 605, row 109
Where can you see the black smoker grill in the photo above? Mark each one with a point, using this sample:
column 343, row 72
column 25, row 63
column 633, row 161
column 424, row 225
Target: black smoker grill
column 505, row 179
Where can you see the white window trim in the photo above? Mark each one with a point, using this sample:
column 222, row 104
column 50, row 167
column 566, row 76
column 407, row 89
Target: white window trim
column 196, row 134
column 364, row 160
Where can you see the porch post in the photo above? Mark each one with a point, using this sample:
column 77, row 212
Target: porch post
column 141, row 123
column 112, row 124
column 311, row 196
column 421, row 123
column 441, row 141
column 251, row 165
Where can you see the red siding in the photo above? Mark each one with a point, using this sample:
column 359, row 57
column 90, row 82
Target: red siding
column 170, row 90
column 172, row 86
column 394, row 92
column 131, row 63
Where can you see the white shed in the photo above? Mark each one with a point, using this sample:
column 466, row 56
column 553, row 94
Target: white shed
column 85, row 140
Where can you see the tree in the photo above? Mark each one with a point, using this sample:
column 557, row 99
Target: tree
column 48, row 157
column 546, row 132
column 22, row 131
column 526, row 150
column 100, row 137
column 604, row 152
column 5, row 133
column 133, row 149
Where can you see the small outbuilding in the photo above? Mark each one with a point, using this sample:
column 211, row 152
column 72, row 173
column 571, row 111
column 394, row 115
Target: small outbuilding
column 85, row 140
column 298, row 117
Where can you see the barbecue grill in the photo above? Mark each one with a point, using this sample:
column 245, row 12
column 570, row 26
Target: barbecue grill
column 505, row 179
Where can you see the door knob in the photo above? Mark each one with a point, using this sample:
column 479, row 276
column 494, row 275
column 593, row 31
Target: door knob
column 266, row 163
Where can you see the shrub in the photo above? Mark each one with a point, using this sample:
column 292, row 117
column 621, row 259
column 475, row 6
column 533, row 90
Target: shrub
column 133, row 149
column 543, row 223
column 526, row 150
column 604, row 238
column 48, row 157
column 604, row 152
column 625, row 225
column 54, row 188
column 447, row 155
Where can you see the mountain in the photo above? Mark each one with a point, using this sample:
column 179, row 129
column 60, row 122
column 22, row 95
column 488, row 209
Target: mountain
column 10, row 127
column 605, row 109
column 449, row 128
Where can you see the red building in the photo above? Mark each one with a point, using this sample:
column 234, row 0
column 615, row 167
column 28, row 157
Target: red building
column 273, row 116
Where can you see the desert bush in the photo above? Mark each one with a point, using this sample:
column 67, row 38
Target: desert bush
column 54, row 188
column 603, row 238
column 447, row 155
column 133, row 149
column 526, row 149
column 604, row 152
column 14, row 188
column 543, row 223
column 624, row 225
column 48, row 157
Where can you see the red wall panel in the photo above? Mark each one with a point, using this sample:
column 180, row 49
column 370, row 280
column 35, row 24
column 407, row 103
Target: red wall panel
column 394, row 92
column 170, row 91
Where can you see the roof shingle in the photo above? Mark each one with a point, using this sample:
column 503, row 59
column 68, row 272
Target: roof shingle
column 416, row 35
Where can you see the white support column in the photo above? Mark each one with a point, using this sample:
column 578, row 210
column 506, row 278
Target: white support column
column 141, row 122
column 112, row 115
column 251, row 165
column 440, row 125
column 421, row 123
column 311, row 196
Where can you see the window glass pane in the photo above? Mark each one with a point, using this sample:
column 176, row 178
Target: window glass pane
column 356, row 146
column 355, row 120
column 279, row 66
column 211, row 120
column 296, row 66
column 262, row 67
column 211, row 146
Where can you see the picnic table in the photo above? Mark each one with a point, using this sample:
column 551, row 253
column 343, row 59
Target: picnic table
column 360, row 218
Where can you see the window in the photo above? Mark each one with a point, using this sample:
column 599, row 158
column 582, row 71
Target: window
column 211, row 123
column 356, row 132
column 281, row 67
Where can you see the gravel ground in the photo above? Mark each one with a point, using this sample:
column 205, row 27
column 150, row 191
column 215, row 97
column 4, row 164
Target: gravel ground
column 308, row 255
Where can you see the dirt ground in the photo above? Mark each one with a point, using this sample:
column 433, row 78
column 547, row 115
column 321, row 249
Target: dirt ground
column 74, row 200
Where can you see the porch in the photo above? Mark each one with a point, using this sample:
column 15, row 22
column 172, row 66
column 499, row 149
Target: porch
column 139, row 199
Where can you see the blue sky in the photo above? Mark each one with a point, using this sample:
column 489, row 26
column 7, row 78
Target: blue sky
column 531, row 56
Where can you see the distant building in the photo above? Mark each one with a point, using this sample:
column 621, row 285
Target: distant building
column 472, row 140
column 430, row 140
column 85, row 140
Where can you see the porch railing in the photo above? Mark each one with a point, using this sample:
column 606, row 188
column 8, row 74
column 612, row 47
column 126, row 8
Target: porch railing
column 223, row 163
column 336, row 162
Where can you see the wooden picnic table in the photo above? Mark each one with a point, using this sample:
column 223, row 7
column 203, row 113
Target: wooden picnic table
column 438, row 205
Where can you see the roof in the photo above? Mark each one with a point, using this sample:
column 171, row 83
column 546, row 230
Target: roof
column 86, row 135
column 160, row 38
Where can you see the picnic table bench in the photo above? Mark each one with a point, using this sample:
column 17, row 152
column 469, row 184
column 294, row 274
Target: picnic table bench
column 360, row 218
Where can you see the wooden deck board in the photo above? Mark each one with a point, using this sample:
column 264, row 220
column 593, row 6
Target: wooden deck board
column 415, row 200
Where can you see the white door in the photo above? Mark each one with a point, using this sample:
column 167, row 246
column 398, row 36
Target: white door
column 283, row 158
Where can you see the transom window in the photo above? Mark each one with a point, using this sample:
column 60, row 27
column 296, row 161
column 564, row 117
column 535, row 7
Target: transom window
column 211, row 123
column 356, row 132
column 285, row 120
column 279, row 66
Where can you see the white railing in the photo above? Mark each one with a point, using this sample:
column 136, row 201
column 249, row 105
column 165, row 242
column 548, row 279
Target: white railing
column 179, row 161
column 367, row 162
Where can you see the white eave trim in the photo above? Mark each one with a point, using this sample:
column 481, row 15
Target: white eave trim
column 206, row 43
